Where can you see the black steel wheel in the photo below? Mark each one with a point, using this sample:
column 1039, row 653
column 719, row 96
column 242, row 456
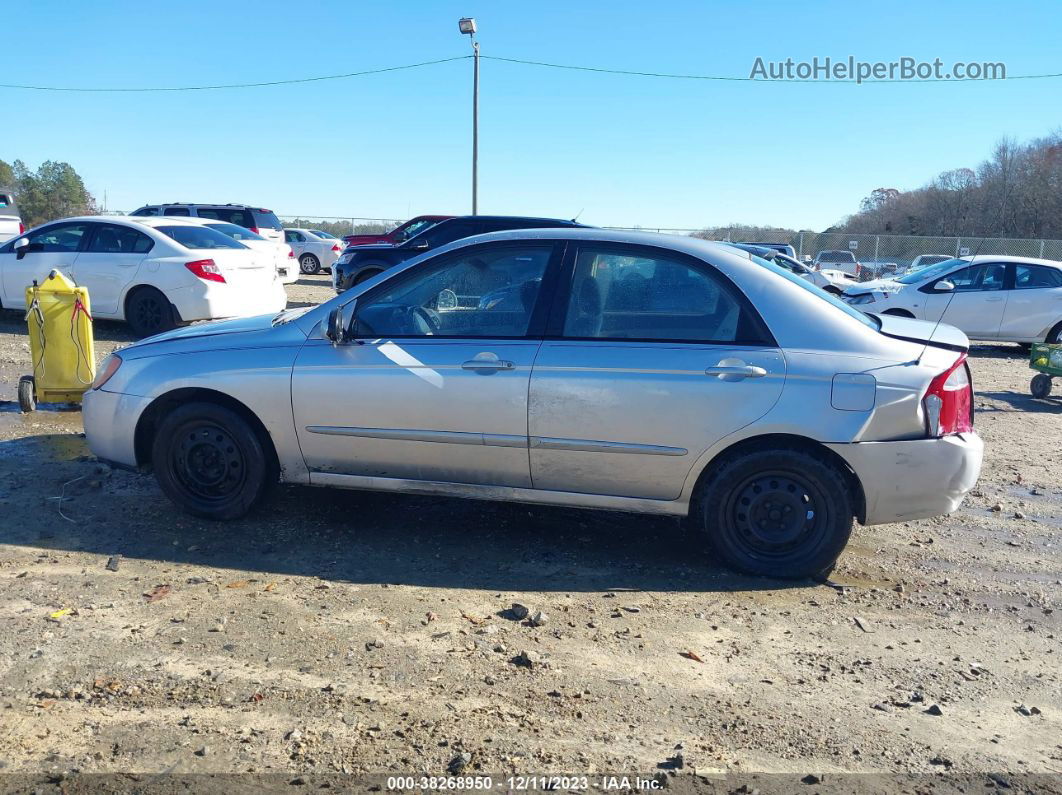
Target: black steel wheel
column 148, row 312
column 1040, row 386
column 780, row 513
column 211, row 462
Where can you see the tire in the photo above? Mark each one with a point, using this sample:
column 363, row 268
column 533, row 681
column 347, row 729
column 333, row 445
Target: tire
column 27, row 394
column 1040, row 386
column 309, row 264
column 364, row 276
column 1054, row 336
column 749, row 509
column 209, row 461
column 898, row 313
column 148, row 312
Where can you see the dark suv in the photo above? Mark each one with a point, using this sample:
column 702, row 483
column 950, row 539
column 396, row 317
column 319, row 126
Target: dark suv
column 358, row 263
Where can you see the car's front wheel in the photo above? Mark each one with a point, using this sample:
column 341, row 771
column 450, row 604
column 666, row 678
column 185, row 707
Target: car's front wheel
column 776, row 512
column 211, row 462
column 308, row 264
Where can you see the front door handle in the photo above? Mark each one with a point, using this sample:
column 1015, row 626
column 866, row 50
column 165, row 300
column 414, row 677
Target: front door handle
column 735, row 372
column 487, row 364
column 992, row 300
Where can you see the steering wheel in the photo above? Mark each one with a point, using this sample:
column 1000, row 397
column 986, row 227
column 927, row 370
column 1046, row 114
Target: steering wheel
column 426, row 317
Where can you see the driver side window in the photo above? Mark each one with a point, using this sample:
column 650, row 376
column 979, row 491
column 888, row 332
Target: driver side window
column 485, row 292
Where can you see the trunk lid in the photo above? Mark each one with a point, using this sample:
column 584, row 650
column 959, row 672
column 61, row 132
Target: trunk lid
column 938, row 335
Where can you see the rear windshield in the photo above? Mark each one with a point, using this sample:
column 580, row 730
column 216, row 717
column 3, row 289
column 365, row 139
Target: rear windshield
column 866, row 320
column 267, row 219
column 322, row 233
column 232, row 215
column 235, row 232
column 836, row 256
column 199, row 237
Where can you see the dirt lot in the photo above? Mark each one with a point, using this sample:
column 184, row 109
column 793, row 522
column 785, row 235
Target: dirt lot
column 344, row 633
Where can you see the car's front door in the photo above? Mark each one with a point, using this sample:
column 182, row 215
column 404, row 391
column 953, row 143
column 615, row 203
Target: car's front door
column 976, row 304
column 435, row 386
column 653, row 358
column 108, row 262
column 52, row 247
column 1034, row 303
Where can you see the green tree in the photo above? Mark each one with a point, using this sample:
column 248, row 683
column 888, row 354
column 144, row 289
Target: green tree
column 54, row 190
column 7, row 175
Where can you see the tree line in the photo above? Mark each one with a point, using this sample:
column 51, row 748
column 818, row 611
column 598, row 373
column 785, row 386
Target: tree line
column 54, row 190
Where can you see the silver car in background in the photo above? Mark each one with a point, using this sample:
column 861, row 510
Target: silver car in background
column 579, row 367
column 313, row 252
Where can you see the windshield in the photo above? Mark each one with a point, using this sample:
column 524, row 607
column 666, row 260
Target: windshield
column 199, row 237
column 235, row 232
column 931, row 271
column 866, row 320
column 403, row 234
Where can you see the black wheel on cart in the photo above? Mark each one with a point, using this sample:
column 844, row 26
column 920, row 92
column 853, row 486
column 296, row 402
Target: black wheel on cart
column 27, row 394
column 1040, row 386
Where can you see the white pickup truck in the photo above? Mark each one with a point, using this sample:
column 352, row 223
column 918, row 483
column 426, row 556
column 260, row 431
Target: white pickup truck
column 10, row 221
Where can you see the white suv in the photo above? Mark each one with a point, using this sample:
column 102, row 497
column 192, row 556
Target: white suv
column 258, row 219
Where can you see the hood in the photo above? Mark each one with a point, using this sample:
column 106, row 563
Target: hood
column 939, row 335
column 875, row 285
column 361, row 240
column 373, row 247
column 237, row 325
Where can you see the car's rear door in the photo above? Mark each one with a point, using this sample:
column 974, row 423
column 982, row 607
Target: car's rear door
column 1034, row 302
column 435, row 387
column 651, row 358
column 108, row 263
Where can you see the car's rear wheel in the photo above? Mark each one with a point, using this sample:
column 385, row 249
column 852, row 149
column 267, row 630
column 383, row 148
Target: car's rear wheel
column 777, row 512
column 148, row 312
column 211, row 462
column 309, row 264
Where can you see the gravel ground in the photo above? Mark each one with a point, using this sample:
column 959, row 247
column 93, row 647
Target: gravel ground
column 337, row 633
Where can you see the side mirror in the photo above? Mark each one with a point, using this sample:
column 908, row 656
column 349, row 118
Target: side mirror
column 338, row 329
column 22, row 248
column 944, row 286
column 421, row 245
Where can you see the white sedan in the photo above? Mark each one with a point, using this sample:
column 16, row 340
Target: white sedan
column 155, row 273
column 283, row 256
column 311, row 250
column 1012, row 299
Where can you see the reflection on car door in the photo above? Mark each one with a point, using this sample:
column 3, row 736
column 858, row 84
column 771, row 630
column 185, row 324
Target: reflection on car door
column 658, row 358
column 108, row 263
column 1034, row 303
column 435, row 388
column 60, row 242
column 976, row 304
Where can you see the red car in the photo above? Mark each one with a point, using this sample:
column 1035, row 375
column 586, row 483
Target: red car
column 399, row 233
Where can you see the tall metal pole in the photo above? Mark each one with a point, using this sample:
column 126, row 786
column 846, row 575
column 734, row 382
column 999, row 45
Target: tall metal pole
column 475, row 127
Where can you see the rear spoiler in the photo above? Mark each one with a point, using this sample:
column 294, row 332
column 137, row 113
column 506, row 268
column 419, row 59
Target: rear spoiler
column 939, row 335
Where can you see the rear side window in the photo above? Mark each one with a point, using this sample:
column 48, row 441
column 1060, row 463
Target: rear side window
column 1031, row 277
column 115, row 239
column 199, row 237
column 266, row 219
column 177, row 211
column 625, row 295
column 144, row 211
column 230, row 215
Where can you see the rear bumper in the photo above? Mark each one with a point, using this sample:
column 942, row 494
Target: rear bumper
column 916, row 479
column 110, row 420
column 216, row 301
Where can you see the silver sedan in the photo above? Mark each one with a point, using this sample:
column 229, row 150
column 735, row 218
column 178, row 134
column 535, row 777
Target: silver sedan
column 577, row 367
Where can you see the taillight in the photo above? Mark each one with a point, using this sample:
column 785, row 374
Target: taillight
column 206, row 269
column 21, row 228
column 254, row 229
column 335, row 247
column 291, row 254
column 948, row 401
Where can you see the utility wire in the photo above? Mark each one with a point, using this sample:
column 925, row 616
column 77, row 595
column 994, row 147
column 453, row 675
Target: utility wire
column 519, row 61
column 246, row 85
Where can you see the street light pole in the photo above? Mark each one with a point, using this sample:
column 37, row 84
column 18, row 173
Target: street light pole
column 467, row 26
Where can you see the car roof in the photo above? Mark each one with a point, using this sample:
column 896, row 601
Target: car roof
column 204, row 204
column 562, row 221
column 1009, row 258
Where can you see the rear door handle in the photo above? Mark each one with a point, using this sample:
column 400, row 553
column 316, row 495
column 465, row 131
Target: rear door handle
column 992, row 300
column 487, row 364
column 736, row 371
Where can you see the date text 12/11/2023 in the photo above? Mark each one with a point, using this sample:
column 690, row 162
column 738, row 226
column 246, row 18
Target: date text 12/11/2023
column 527, row 783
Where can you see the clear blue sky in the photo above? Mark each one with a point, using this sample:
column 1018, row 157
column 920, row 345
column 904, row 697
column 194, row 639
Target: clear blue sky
column 624, row 150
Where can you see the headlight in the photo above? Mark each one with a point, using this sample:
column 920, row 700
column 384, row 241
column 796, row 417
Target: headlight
column 109, row 368
column 345, row 258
